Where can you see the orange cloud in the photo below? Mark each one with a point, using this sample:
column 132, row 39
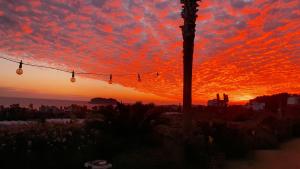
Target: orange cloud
column 243, row 47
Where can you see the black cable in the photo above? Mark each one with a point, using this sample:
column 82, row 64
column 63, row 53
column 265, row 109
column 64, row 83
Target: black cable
column 47, row 67
column 79, row 73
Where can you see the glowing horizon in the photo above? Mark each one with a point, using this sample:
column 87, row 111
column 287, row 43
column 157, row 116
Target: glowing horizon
column 244, row 48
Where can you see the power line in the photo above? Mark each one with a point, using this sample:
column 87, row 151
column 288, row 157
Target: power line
column 21, row 63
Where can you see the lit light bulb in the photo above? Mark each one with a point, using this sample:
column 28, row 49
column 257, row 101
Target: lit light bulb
column 19, row 71
column 139, row 78
column 73, row 77
column 210, row 140
column 110, row 79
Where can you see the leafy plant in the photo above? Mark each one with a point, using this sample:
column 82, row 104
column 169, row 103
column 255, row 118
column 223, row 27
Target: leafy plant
column 136, row 119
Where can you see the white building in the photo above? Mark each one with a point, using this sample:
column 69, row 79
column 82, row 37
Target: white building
column 218, row 102
column 213, row 102
column 293, row 100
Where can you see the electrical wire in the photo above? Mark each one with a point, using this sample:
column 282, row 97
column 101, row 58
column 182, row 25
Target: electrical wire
column 78, row 73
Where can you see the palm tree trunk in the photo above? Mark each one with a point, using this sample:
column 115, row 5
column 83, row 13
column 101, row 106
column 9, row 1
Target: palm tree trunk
column 188, row 32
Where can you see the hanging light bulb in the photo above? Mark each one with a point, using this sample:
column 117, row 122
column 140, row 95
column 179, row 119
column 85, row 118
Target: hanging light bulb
column 110, row 79
column 139, row 78
column 73, row 77
column 19, row 71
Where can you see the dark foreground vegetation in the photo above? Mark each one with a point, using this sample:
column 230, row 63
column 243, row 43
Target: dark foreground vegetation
column 143, row 136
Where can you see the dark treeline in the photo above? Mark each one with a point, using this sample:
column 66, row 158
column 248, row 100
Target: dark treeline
column 15, row 112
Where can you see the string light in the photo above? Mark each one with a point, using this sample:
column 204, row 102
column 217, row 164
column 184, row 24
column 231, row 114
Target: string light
column 139, row 78
column 110, row 79
column 19, row 71
column 210, row 140
column 73, row 77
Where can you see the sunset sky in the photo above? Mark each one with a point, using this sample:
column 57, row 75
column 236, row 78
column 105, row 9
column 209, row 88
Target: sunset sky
column 244, row 48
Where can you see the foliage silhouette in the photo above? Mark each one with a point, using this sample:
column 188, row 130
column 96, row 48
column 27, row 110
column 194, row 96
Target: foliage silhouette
column 128, row 120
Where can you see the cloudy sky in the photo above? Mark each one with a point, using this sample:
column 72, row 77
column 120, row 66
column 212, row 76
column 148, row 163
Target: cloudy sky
column 243, row 48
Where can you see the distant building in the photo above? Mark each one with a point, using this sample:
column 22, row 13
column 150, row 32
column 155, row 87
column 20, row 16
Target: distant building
column 293, row 100
column 218, row 102
column 257, row 106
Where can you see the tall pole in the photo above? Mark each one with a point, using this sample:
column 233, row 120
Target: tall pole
column 189, row 14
